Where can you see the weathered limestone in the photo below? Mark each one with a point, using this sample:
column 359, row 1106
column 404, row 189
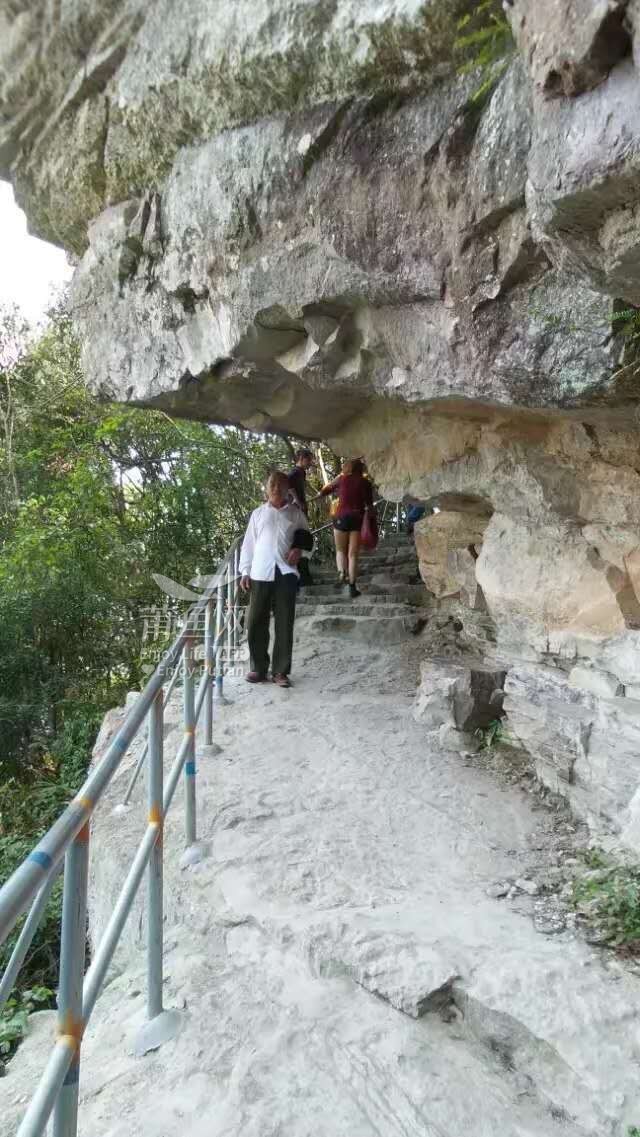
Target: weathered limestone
column 337, row 963
column 555, row 570
column 570, row 46
column 128, row 85
column 448, row 545
column 301, row 217
column 465, row 697
column 343, row 275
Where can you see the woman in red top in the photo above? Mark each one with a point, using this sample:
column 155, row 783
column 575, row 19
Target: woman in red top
column 355, row 498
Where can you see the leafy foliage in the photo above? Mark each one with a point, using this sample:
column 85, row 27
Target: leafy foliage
column 608, row 899
column 15, row 1013
column 94, row 499
column 491, row 735
column 484, row 45
column 626, row 325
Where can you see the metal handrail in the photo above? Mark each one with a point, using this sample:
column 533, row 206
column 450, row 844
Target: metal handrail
column 143, row 754
column 68, row 838
column 211, row 581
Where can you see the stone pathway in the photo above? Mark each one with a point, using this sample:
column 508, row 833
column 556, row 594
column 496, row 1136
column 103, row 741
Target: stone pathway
column 341, row 969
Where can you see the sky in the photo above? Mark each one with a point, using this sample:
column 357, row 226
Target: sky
column 29, row 269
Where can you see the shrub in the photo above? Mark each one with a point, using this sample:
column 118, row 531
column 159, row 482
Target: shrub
column 608, row 898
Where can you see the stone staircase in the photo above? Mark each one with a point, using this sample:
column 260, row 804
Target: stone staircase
column 393, row 598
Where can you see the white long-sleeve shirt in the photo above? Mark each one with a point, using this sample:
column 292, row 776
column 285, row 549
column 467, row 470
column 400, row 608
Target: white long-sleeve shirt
column 268, row 540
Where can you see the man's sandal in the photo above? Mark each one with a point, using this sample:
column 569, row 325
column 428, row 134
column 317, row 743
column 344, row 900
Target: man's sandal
column 255, row 677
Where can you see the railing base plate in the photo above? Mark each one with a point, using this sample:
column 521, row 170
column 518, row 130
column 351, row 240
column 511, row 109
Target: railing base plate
column 210, row 751
column 154, row 1033
column 194, row 854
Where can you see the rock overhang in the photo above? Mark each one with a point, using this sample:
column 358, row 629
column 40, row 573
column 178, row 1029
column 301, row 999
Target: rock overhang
column 362, row 225
column 300, row 217
column 399, row 262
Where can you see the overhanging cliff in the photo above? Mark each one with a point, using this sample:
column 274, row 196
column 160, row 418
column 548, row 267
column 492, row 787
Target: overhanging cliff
column 301, row 216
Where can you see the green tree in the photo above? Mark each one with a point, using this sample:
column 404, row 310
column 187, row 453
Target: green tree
column 94, row 499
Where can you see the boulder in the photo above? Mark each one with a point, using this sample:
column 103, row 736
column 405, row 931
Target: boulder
column 466, row 697
column 570, row 45
column 447, row 544
column 586, row 743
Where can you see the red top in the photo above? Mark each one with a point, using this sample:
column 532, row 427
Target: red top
column 354, row 493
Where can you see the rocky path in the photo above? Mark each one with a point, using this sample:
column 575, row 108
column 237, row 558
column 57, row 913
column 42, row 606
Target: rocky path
column 341, row 969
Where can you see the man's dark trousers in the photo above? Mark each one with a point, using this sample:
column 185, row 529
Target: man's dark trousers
column 267, row 596
column 305, row 571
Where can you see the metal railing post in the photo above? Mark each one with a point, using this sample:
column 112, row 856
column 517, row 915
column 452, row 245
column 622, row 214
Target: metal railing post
column 189, row 730
column 194, row 850
column 229, row 614
column 209, row 666
column 154, row 894
column 143, row 753
column 210, row 748
column 72, row 955
column 218, row 694
column 236, row 608
column 219, row 689
column 161, row 1025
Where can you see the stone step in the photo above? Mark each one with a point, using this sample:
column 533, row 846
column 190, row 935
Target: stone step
column 405, row 547
column 394, row 543
column 401, row 538
column 364, row 629
column 382, row 578
column 391, row 546
column 360, row 607
column 383, row 560
column 405, row 593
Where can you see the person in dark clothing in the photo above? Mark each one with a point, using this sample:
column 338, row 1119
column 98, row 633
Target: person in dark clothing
column 298, row 484
column 355, row 498
column 298, row 477
column 414, row 513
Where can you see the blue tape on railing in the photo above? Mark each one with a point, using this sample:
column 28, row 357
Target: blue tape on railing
column 120, row 744
column 42, row 859
column 190, row 769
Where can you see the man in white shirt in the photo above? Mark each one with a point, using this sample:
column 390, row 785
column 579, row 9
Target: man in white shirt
column 268, row 570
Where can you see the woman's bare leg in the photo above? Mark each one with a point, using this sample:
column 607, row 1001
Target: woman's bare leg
column 354, row 553
column 342, row 546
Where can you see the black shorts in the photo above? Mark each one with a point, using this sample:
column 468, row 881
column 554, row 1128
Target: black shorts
column 348, row 523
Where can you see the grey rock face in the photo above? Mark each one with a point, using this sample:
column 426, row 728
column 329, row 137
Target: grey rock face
column 570, row 45
column 586, row 746
column 466, row 697
column 361, row 249
column 302, row 217
column 275, row 200
column 129, row 85
column 287, row 210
